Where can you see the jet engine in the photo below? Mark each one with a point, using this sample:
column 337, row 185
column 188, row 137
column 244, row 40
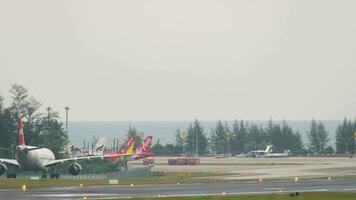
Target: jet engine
column 3, row 168
column 75, row 169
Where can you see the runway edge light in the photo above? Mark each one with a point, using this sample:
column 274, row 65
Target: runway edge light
column 24, row 188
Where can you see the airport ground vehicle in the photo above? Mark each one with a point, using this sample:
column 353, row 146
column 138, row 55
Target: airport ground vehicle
column 148, row 161
column 184, row 161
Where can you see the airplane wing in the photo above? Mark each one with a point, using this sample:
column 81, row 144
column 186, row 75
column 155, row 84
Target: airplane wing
column 10, row 161
column 55, row 162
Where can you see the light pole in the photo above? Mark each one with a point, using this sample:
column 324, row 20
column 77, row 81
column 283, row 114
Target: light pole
column 67, row 109
column 228, row 139
column 197, row 143
column 48, row 113
column 354, row 143
column 183, row 135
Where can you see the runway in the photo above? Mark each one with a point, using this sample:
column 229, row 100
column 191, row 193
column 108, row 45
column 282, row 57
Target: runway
column 127, row 191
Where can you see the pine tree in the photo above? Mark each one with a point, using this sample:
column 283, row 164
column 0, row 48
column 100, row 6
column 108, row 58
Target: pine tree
column 275, row 137
column 218, row 138
column 239, row 136
column 194, row 130
column 323, row 137
column 179, row 140
column 314, row 143
column 318, row 137
column 344, row 136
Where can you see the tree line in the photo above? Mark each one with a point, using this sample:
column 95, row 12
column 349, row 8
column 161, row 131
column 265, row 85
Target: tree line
column 243, row 136
column 42, row 128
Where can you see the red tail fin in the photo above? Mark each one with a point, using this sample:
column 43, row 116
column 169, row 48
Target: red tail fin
column 21, row 136
column 131, row 140
column 145, row 146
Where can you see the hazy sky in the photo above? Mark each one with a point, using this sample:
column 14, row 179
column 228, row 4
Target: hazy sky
column 177, row 60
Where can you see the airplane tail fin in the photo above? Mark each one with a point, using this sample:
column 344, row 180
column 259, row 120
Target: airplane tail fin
column 100, row 146
column 20, row 128
column 269, row 148
column 145, row 146
column 129, row 145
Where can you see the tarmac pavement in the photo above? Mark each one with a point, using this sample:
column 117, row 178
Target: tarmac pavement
column 127, row 191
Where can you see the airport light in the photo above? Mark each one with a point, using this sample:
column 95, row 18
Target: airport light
column 329, row 178
column 223, row 193
column 81, row 185
column 132, row 185
column 178, row 183
column 260, row 180
column 296, row 179
column 24, row 188
column 85, row 198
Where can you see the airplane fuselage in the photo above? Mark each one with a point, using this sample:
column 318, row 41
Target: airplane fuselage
column 33, row 160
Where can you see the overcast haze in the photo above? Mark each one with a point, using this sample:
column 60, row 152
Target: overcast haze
column 177, row 60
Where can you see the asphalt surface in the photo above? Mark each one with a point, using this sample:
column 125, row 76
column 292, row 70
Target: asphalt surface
column 120, row 191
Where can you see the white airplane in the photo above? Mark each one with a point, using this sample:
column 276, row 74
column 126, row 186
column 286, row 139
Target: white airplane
column 96, row 150
column 30, row 158
column 260, row 153
column 267, row 153
column 285, row 154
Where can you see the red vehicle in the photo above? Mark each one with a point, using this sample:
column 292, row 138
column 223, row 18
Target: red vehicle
column 172, row 161
column 148, row 161
column 193, row 161
column 181, row 161
column 184, row 161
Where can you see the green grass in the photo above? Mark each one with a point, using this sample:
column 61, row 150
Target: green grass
column 302, row 196
column 345, row 177
column 17, row 183
column 168, row 178
column 239, row 164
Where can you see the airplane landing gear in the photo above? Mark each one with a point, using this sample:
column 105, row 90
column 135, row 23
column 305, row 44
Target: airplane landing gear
column 12, row 173
column 122, row 165
column 125, row 166
column 53, row 174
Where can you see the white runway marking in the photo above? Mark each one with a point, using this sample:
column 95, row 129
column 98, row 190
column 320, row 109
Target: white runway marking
column 69, row 195
column 183, row 195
